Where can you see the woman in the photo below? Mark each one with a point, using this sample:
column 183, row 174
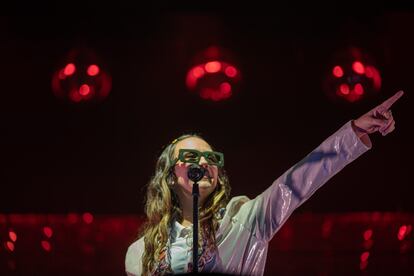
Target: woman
column 234, row 234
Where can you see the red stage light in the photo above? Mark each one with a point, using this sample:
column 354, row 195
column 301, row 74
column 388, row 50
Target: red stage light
column 212, row 67
column 337, row 71
column 364, row 256
column 48, row 231
column 12, row 236
column 230, row 71
column 344, row 89
column 84, row 90
column 82, row 78
column 69, row 69
column 225, row 89
column 358, row 67
column 358, row 89
column 198, row 72
column 9, row 246
column 368, row 234
column 46, row 246
column 402, row 232
column 213, row 77
column 93, row 70
column 355, row 69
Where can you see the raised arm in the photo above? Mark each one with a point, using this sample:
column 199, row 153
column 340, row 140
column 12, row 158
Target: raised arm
column 265, row 214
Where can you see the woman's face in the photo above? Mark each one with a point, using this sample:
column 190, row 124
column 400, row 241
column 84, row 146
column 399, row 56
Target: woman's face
column 184, row 185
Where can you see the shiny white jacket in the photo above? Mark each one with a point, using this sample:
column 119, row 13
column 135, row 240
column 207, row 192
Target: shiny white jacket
column 248, row 225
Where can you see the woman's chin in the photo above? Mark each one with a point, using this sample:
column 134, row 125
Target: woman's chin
column 205, row 184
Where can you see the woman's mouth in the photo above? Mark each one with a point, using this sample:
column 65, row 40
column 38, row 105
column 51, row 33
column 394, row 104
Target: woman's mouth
column 207, row 174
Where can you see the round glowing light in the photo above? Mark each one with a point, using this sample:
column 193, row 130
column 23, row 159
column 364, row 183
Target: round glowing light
column 359, row 89
column 48, row 231
column 225, row 88
column 12, row 236
column 198, row 72
column 93, row 70
column 212, row 67
column 368, row 234
column 344, row 89
column 69, row 69
column 84, row 90
column 358, row 67
column 10, row 246
column 401, row 232
column 364, row 256
column 46, row 245
column 230, row 71
column 337, row 71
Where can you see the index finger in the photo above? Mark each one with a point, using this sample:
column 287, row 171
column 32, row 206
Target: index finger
column 388, row 103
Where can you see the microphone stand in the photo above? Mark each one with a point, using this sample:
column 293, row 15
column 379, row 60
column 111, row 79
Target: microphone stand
column 195, row 173
column 196, row 194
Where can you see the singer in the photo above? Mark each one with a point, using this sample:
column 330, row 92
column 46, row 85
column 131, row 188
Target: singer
column 234, row 232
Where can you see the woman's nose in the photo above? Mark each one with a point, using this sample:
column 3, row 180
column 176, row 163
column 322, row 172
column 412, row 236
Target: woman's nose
column 203, row 162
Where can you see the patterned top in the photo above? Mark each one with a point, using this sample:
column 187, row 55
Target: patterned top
column 177, row 255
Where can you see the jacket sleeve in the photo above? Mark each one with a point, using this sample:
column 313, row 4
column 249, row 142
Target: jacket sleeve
column 133, row 262
column 265, row 214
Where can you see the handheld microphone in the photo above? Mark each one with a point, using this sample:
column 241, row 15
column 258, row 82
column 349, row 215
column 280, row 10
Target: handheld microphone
column 195, row 172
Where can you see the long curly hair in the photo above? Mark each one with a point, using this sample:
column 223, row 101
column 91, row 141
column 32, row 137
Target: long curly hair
column 162, row 207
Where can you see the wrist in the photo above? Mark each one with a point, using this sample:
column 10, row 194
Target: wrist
column 361, row 134
column 358, row 131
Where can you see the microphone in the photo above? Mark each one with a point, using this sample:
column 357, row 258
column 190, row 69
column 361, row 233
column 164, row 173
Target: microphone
column 195, row 172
